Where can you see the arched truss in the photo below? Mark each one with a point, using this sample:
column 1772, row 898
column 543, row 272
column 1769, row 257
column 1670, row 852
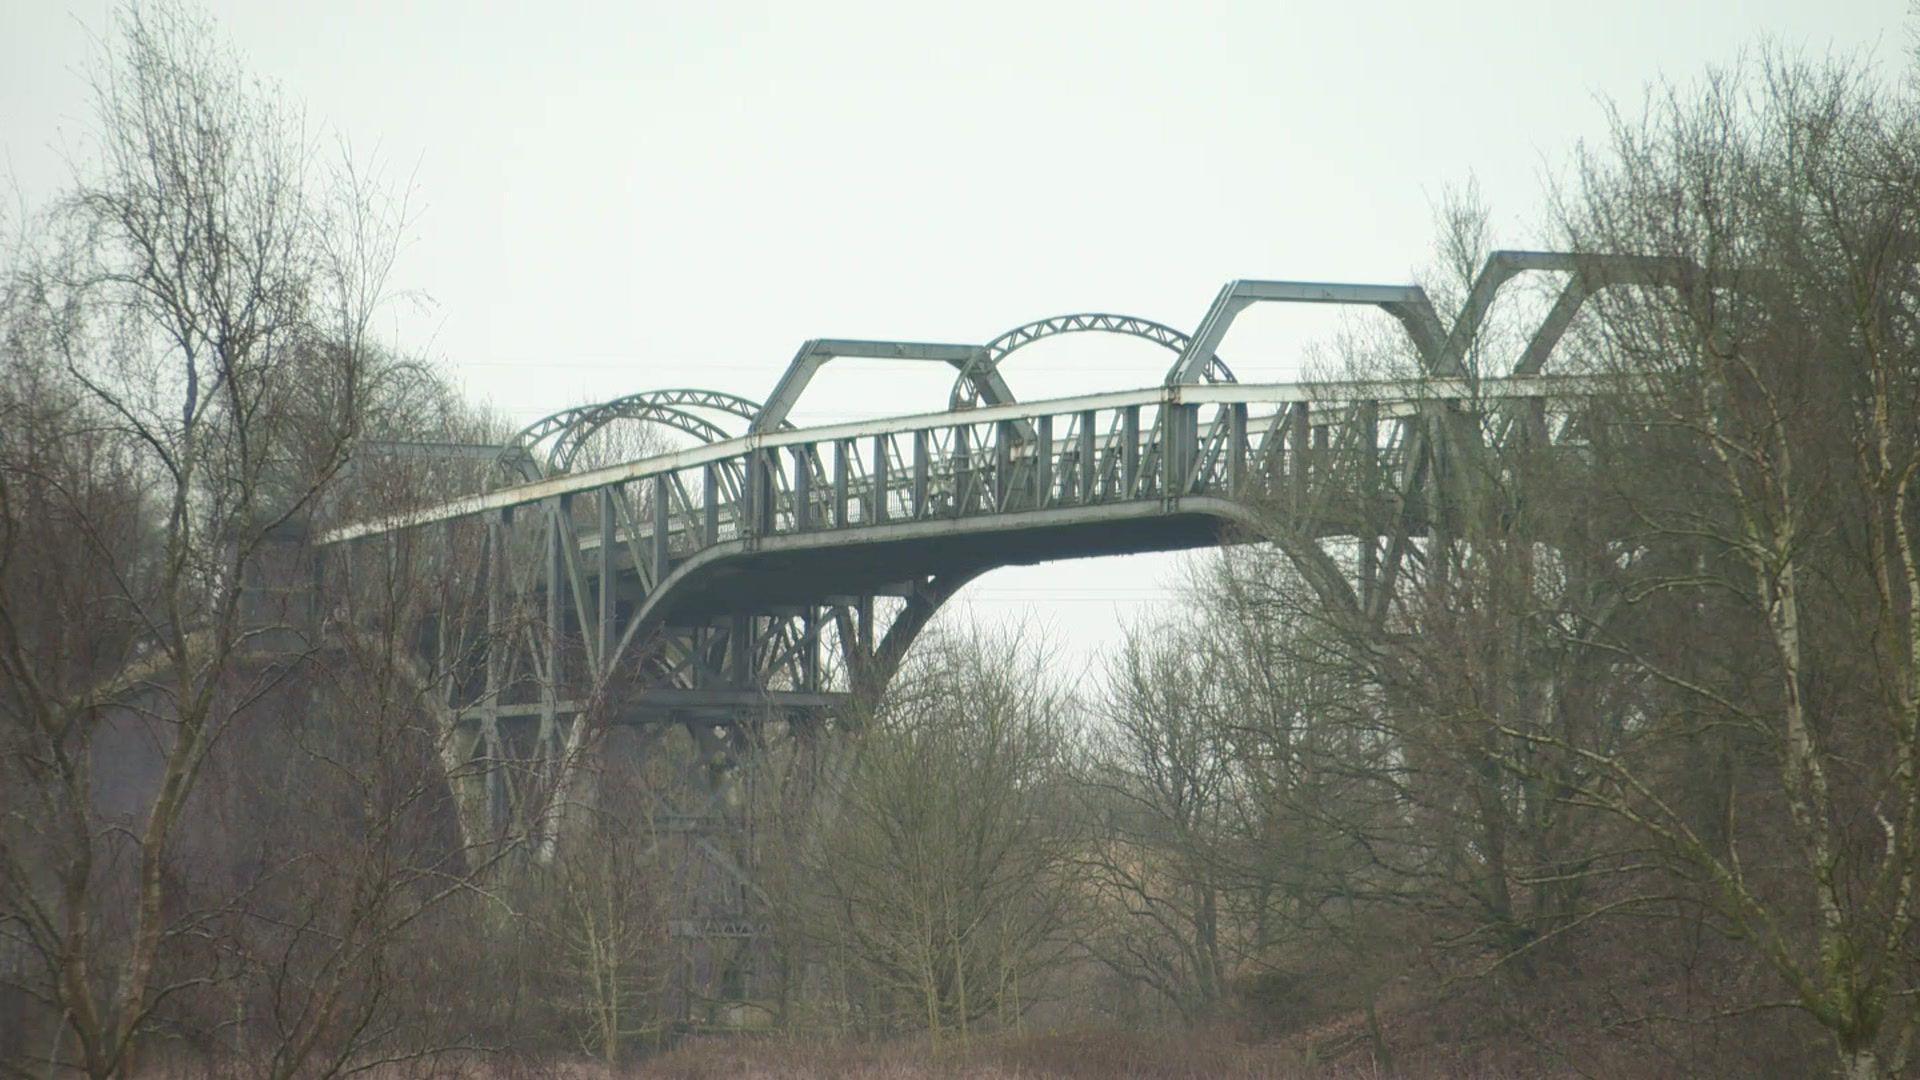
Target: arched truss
column 550, row 444
column 997, row 350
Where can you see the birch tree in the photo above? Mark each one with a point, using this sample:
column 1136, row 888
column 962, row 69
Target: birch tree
column 1782, row 402
column 189, row 349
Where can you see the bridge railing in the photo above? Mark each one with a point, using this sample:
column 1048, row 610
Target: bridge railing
column 971, row 465
column 964, row 467
column 1164, row 443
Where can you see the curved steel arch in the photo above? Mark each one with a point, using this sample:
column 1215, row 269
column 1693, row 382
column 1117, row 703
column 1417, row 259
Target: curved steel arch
column 997, row 350
column 567, row 431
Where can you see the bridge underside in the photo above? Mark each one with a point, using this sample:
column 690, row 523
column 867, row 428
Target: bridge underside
column 776, row 572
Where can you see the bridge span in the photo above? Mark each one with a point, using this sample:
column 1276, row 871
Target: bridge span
column 794, row 525
column 791, row 567
column 768, row 577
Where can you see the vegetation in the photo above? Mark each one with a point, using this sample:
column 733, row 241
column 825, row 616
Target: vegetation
column 1624, row 778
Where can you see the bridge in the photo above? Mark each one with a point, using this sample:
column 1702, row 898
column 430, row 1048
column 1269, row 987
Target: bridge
column 770, row 576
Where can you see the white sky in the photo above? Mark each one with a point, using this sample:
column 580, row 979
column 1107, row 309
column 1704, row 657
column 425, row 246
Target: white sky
column 619, row 196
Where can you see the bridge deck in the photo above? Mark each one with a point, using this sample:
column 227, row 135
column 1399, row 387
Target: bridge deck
column 1266, row 406
column 782, row 519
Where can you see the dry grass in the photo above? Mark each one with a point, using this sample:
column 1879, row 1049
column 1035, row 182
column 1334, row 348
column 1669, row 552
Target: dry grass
column 1075, row 1055
column 1072, row 1055
column 1066, row 1054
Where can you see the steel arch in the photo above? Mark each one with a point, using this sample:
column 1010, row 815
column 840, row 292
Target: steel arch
column 565, row 432
column 997, row 350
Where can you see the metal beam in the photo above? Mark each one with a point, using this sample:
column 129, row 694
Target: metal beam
column 814, row 355
column 1407, row 303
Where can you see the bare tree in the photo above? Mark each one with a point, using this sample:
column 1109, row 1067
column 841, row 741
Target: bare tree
column 942, row 871
column 1253, row 833
column 605, row 913
column 1463, row 653
column 1162, row 785
column 188, row 339
column 1782, row 386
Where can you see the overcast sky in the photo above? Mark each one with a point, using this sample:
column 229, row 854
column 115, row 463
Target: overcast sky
column 612, row 197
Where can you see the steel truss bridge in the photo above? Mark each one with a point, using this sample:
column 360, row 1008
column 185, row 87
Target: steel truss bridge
column 773, row 575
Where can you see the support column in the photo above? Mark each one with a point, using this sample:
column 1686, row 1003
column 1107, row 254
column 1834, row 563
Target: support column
column 498, row 579
column 740, row 651
column 1440, row 493
column 608, row 581
column 810, row 649
column 1367, row 419
column 556, row 577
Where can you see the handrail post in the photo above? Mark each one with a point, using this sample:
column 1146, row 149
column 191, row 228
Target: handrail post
column 1129, row 451
column 962, row 471
column 710, row 497
column 1237, row 449
column 662, row 530
column 1043, row 462
column 842, row 452
column 1002, row 463
column 920, row 469
column 803, row 487
column 1180, row 448
column 748, row 515
column 1297, row 436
